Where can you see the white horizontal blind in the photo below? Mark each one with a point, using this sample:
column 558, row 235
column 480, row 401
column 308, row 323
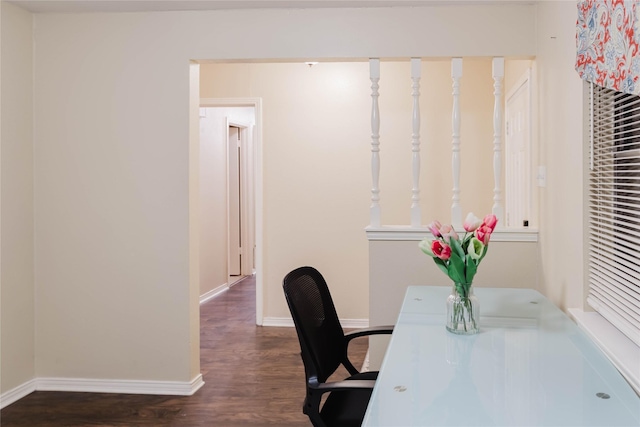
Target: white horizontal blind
column 614, row 208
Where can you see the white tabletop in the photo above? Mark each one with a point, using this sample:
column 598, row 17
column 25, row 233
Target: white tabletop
column 530, row 365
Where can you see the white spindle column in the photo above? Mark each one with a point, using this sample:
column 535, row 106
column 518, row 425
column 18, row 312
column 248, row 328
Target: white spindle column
column 498, row 75
column 416, row 217
column 456, row 210
column 374, row 211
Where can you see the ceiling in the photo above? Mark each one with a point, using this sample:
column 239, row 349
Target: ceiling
column 73, row 6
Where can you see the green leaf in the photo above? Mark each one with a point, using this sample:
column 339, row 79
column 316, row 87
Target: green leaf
column 455, row 245
column 456, row 268
column 484, row 252
column 467, row 237
column 472, row 268
column 453, row 275
column 442, row 265
column 465, row 245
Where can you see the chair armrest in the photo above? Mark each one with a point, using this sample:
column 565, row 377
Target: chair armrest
column 317, row 390
column 345, row 385
column 378, row 330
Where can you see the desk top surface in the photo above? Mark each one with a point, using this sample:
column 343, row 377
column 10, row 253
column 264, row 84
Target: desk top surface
column 530, row 365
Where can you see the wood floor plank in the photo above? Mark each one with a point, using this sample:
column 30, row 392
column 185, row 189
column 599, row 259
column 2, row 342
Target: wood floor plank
column 253, row 377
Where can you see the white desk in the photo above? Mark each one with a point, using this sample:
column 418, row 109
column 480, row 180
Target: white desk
column 530, row 365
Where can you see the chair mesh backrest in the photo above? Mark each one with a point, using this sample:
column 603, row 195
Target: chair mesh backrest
column 319, row 330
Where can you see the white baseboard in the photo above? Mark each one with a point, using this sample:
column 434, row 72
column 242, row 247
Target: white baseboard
column 365, row 363
column 170, row 388
column 288, row 322
column 17, row 393
column 278, row 322
column 208, row 296
column 176, row 388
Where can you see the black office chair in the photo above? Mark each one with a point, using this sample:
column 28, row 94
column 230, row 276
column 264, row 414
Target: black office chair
column 323, row 346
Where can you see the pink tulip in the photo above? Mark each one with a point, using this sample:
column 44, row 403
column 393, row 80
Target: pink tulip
column 490, row 221
column 441, row 250
column 483, row 233
column 448, row 233
column 471, row 222
column 435, row 228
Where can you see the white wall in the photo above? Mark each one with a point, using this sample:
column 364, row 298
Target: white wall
column 111, row 188
column 317, row 125
column 561, row 150
column 16, row 227
column 213, row 192
column 316, row 132
column 115, row 295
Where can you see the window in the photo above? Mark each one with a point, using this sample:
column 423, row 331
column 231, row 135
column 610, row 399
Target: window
column 614, row 208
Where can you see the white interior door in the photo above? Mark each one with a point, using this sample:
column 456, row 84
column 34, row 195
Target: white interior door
column 517, row 156
column 247, row 201
column 234, row 198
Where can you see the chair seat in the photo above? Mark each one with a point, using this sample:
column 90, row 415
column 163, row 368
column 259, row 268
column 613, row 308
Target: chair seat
column 347, row 408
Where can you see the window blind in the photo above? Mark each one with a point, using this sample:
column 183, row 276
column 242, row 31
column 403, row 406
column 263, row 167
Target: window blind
column 614, row 208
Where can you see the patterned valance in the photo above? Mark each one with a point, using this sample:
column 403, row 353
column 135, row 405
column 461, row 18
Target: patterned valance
column 607, row 39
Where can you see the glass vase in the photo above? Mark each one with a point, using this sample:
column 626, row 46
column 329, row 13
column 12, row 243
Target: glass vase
column 463, row 310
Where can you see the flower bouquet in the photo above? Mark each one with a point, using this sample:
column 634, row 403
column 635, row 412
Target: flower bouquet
column 459, row 259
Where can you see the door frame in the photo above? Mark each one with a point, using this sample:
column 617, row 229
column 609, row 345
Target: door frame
column 257, row 166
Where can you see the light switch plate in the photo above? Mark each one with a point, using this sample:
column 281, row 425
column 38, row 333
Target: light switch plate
column 542, row 176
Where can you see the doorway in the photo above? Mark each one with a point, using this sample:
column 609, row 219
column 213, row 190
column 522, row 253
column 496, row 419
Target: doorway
column 230, row 190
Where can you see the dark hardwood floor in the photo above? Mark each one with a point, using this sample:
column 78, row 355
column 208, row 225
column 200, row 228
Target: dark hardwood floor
column 253, row 377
